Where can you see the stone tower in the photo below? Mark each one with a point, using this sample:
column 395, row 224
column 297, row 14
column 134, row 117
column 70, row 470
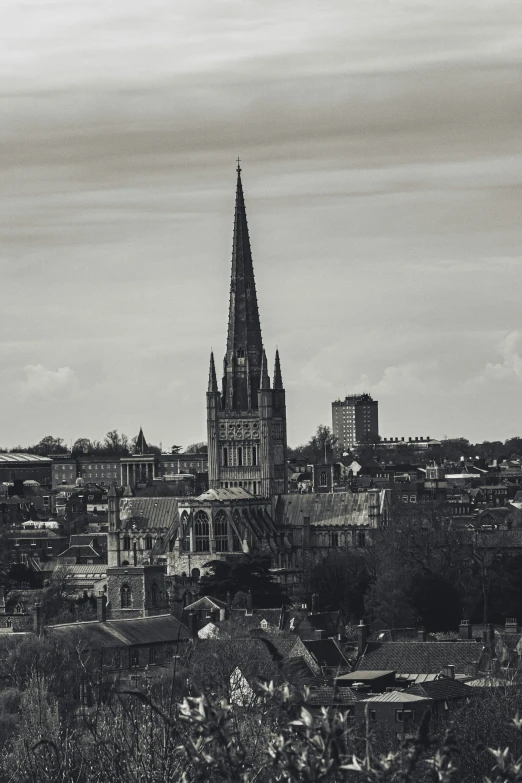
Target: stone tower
column 246, row 420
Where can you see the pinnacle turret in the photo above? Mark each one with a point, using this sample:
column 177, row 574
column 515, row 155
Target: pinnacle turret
column 278, row 380
column 212, row 379
column 265, row 378
column 141, row 444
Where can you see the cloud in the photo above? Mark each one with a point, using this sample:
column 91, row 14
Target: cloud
column 510, row 368
column 41, row 382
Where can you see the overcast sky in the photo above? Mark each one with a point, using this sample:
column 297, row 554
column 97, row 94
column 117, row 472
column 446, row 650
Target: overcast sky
column 381, row 148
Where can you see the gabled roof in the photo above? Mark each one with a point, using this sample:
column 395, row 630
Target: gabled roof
column 423, row 657
column 442, row 689
column 206, row 603
column 120, row 633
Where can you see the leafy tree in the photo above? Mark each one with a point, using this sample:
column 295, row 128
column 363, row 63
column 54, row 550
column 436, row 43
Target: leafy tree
column 243, row 574
column 197, row 448
column 114, row 443
column 320, row 448
column 82, row 446
column 49, row 445
column 175, row 449
column 340, row 581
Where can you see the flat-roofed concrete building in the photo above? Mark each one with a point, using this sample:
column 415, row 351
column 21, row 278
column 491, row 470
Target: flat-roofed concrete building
column 355, row 420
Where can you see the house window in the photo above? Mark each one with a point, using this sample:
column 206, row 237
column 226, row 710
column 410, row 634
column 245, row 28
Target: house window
column 154, row 595
column 404, row 716
column 334, row 539
column 202, row 532
column 125, row 597
column 360, row 537
column 148, row 542
column 169, row 653
column 221, row 532
column 373, row 715
column 126, row 543
column 134, row 659
column 323, row 479
column 152, row 656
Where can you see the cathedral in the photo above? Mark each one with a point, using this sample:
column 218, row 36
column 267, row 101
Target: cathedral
column 246, row 420
column 247, row 507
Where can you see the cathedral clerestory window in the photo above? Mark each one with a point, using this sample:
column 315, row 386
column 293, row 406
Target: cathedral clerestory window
column 202, row 532
column 221, row 532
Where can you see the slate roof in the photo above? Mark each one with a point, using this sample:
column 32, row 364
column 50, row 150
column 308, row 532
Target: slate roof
column 148, row 513
column 443, row 689
column 398, row 697
column 339, row 508
column 363, row 675
column 118, row 633
column 422, row 657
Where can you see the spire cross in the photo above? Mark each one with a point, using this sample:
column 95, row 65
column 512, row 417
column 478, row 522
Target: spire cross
column 238, row 166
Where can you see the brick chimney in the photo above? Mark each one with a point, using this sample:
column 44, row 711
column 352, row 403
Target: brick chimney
column 465, row 630
column 422, row 635
column 363, row 632
column 448, row 670
column 101, row 607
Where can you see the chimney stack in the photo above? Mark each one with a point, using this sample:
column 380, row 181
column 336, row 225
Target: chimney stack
column 250, row 604
column 101, row 607
column 465, row 630
column 448, row 670
column 421, row 635
column 314, row 603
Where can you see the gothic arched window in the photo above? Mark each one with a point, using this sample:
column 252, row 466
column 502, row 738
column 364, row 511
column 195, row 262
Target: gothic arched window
column 126, row 543
column 148, row 542
column 202, row 531
column 323, row 479
column 221, row 532
column 125, row 597
column 240, row 353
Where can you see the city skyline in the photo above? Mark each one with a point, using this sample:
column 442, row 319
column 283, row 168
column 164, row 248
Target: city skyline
column 384, row 224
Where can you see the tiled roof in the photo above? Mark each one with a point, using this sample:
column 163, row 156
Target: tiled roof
column 149, row 513
column 364, row 675
column 442, row 689
column 422, row 657
column 399, row 697
column 328, row 696
column 339, row 508
column 327, row 652
column 117, row 633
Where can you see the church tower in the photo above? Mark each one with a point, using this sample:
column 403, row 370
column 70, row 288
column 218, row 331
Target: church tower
column 246, row 419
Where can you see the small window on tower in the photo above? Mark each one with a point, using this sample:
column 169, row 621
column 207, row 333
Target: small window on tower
column 240, row 353
column 248, row 285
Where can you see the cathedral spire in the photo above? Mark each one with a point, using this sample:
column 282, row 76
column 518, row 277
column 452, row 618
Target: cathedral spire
column 212, row 380
column 278, row 380
column 244, row 342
